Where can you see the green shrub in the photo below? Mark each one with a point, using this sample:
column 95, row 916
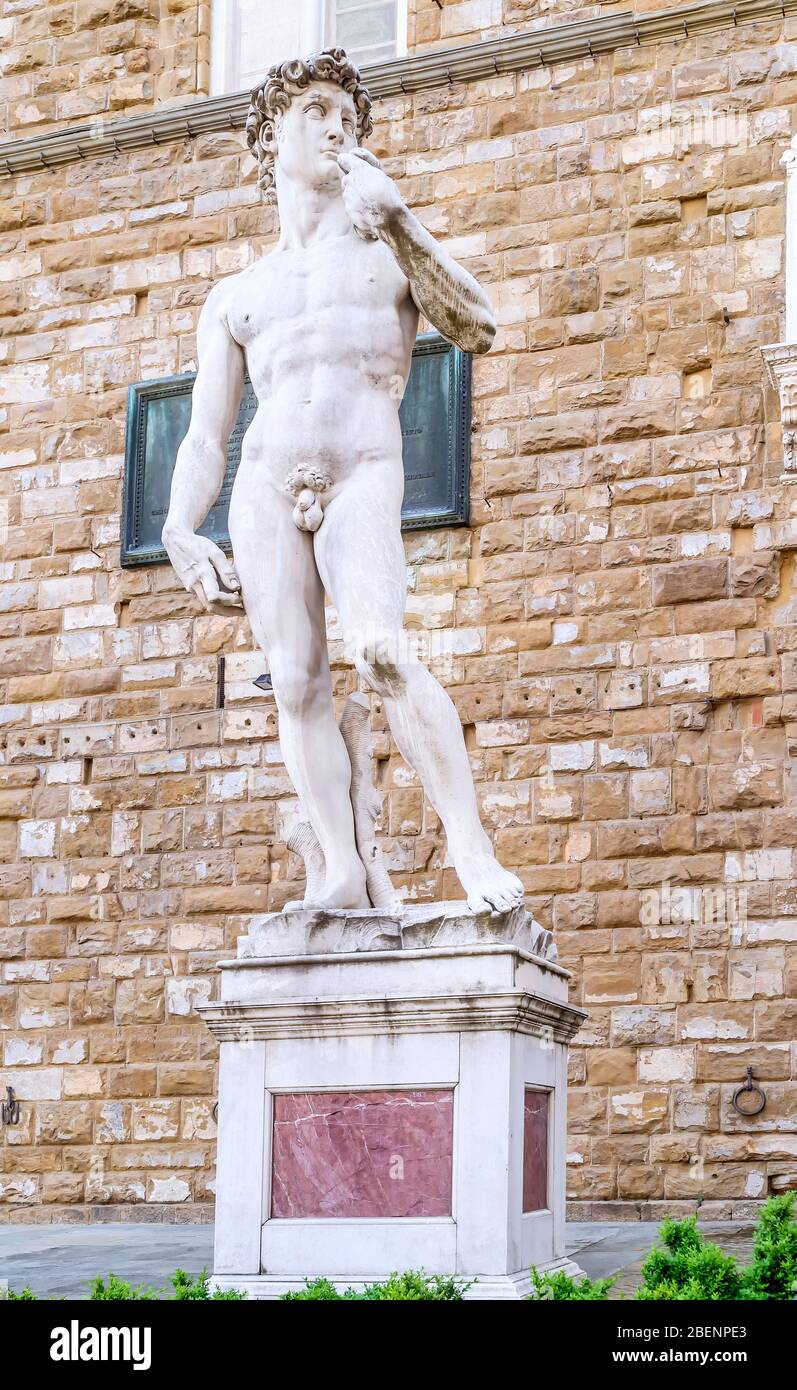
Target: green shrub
column 197, row 1288
column 560, row 1286
column 413, row 1286
column 317, row 1291
column 690, row 1292
column 773, row 1273
column 689, row 1267
column 118, row 1290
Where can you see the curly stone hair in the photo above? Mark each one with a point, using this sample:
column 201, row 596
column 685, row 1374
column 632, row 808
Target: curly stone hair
column 286, row 80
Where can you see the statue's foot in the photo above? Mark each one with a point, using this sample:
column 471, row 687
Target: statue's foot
column 347, row 892
column 489, row 888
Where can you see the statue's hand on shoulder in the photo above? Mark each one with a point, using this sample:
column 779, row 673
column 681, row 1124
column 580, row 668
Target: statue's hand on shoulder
column 201, row 565
column 370, row 195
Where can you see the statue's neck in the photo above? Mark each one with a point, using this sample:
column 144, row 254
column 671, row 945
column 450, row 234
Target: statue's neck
column 308, row 215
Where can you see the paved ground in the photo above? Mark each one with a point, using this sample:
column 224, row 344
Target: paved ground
column 59, row 1261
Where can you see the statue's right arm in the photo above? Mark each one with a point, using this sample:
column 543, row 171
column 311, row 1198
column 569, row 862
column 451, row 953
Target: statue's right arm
column 202, row 457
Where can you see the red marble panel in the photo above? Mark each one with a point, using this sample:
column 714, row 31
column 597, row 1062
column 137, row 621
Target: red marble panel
column 362, row 1153
column 535, row 1150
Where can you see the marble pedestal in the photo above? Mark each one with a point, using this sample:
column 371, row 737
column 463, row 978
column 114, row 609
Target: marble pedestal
column 392, row 1096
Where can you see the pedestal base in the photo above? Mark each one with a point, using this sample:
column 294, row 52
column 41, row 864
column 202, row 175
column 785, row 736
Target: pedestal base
column 392, row 1096
column 511, row 1288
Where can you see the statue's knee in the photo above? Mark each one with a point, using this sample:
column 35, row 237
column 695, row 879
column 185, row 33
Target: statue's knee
column 381, row 662
column 295, row 690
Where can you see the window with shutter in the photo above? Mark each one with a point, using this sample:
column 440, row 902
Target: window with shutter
column 368, row 29
column 249, row 35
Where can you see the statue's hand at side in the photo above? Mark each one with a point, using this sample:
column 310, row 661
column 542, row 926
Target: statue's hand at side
column 369, row 194
column 203, row 568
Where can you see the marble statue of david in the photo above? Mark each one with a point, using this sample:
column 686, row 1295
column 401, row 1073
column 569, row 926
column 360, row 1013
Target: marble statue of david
column 326, row 324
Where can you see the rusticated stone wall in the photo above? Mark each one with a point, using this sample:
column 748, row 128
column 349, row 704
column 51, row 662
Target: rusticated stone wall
column 65, row 64
column 620, row 617
column 469, row 21
column 433, row 25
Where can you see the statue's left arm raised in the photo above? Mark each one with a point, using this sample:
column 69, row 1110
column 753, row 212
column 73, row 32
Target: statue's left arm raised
column 446, row 294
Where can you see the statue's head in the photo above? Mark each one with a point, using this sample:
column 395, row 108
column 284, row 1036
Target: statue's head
column 306, row 113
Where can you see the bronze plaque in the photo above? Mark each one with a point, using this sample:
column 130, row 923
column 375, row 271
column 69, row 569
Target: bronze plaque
column 435, row 424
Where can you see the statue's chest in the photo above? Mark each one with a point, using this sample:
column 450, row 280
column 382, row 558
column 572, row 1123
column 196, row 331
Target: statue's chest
column 310, row 287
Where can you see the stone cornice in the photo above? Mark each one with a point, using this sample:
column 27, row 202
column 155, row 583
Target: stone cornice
column 419, row 72
column 511, row 1010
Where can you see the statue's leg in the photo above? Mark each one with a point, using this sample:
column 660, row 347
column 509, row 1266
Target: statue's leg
column 360, row 557
column 284, row 601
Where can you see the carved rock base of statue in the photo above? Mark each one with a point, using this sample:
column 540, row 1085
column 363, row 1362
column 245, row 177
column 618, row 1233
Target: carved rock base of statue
column 392, row 1096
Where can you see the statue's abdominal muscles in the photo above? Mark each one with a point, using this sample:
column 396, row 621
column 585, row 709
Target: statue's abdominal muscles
column 328, row 352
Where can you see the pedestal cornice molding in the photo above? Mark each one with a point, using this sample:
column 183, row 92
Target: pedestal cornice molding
column 533, row 48
column 512, row 1010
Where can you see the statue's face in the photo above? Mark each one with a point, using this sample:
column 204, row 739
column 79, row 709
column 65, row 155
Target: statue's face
column 320, row 123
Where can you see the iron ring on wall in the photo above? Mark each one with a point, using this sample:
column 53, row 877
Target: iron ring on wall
column 758, row 1098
